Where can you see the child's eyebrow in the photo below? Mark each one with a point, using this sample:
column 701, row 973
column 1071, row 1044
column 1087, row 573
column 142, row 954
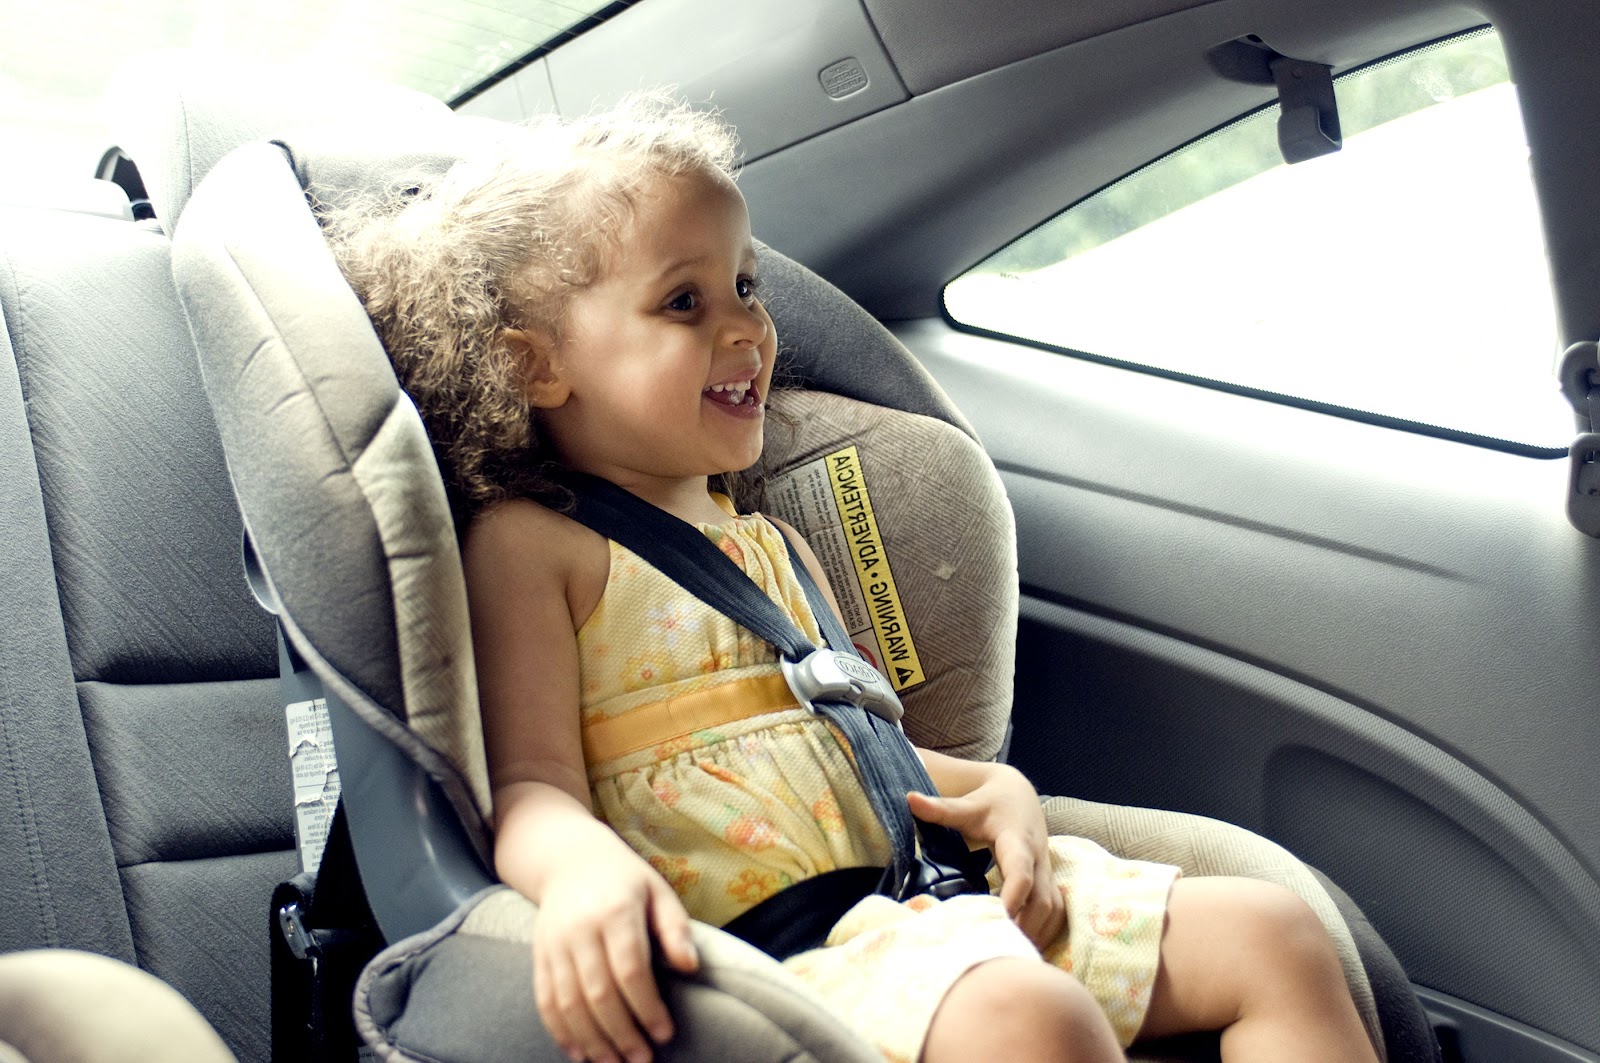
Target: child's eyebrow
column 748, row 255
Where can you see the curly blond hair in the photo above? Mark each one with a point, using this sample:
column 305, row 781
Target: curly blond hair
column 504, row 239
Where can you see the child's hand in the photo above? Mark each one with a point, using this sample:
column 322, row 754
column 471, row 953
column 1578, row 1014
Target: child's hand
column 1003, row 813
column 593, row 980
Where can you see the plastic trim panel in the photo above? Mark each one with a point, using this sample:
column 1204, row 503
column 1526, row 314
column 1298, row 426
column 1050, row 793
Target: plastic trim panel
column 762, row 61
column 1436, row 854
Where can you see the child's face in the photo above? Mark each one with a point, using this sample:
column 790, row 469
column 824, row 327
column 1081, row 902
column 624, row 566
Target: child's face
column 649, row 381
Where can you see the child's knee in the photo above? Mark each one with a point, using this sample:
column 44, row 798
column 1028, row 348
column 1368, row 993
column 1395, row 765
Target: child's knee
column 1284, row 933
column 1022, row 988
column 1023, row 1005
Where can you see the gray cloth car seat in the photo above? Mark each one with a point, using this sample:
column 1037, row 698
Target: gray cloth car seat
column 142, row 767
column 349, row 520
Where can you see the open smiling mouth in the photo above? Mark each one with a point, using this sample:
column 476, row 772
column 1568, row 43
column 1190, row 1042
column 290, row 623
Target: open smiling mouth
column 743, row 393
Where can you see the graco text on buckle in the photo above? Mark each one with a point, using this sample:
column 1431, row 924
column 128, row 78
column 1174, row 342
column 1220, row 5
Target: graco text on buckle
column 828, row 675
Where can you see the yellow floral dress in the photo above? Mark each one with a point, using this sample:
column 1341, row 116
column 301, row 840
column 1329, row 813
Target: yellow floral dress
column 701, row 760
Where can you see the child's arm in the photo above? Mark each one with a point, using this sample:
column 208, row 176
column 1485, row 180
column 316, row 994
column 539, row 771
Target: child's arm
column 532, row 577
column 991, row 805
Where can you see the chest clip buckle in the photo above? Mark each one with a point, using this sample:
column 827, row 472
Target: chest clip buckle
column 827, row 675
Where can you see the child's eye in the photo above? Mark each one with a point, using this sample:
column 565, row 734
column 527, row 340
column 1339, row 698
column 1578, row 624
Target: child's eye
column 683, row 302
column 747, row 287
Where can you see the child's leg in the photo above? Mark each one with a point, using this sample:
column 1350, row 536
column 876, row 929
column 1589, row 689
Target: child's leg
column 1023, row 1010
column 1251, row 959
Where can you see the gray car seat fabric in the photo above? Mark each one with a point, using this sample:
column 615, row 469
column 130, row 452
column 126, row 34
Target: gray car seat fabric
column 145, row 779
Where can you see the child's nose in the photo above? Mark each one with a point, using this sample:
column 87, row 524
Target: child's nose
column 746, row 326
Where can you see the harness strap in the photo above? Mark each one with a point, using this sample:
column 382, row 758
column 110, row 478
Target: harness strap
column 927, row 858
column 799, row 918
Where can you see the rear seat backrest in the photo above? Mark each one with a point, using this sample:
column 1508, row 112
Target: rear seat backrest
column 141, row 739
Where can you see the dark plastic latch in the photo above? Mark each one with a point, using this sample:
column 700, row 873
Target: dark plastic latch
column 1308, row 122
column 294, row 931
column 1583, row 495
column 1580, row 383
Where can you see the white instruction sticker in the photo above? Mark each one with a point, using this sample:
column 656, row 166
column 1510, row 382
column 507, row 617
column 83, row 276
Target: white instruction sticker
column 827, row 502
column 316, row 777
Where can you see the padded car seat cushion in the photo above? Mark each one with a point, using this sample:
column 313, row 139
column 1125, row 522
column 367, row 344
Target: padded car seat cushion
column 947, row 539
column 1203, row 846
column 363, row 558
column 461, row 993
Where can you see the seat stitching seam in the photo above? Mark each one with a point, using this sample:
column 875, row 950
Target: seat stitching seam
column 8, row 703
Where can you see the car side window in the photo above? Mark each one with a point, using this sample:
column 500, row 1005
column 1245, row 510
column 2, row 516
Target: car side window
column 1403, row 276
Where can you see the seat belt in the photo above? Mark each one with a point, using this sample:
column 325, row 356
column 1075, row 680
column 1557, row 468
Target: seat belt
column 834, row 682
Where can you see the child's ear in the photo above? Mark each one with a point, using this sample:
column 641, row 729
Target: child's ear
column 542, row 382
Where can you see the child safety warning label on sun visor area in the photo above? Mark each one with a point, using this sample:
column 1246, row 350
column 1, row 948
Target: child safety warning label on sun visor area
column 316, row 777
column 827, row 501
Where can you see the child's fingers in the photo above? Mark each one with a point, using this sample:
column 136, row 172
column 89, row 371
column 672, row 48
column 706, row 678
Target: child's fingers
column 1028, row 889
column 954, row 812
column 628, row 957
column 569, row 1018
column 544, row 997
column 1056, row 902
column 1045, row 913
column 608, row 1011
column 1017, row 865
column 670, row 921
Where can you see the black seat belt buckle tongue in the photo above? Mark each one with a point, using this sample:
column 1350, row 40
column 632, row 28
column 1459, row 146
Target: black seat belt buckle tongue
column 830, row 675
column 941, row 881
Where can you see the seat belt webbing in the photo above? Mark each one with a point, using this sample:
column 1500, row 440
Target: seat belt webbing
column 927, row 858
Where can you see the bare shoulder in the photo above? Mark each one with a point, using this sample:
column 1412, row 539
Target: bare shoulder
column 519, row 547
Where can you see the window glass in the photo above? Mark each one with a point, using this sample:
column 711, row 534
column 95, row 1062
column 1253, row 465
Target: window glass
column 1404, row 275
column 58, row 58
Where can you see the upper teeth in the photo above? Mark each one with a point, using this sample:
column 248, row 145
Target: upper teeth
column 740, row 387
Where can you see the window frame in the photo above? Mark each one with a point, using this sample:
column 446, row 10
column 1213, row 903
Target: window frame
column 1382, row 420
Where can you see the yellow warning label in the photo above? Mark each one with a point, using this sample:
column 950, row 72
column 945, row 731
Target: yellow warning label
column 882, row 598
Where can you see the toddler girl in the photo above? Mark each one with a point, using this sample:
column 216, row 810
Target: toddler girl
column 586, row 295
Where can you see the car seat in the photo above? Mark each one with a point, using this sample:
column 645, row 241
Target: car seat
column 354, row 542
column 142, row 812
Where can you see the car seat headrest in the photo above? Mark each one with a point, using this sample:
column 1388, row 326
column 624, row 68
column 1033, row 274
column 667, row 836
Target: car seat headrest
column 178, row 114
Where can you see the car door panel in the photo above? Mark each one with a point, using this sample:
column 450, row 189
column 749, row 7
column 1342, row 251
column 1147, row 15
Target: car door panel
column 1367, row 644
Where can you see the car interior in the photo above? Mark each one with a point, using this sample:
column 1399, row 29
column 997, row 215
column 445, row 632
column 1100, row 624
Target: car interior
column 1298, row 460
